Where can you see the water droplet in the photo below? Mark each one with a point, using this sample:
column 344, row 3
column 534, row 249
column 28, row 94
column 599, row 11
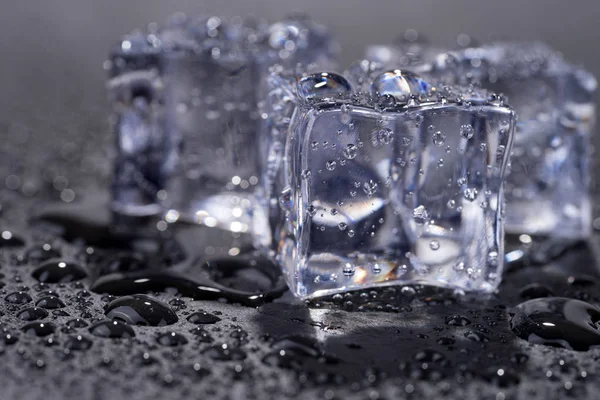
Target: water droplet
column 330, row 165
column 350, row 151
column 50, row 303
column 476, row 336
column 112, row 329
column 201, row 335
column 438, row 138
column 398, row 84
column 201, row 317
column 32, row 314
column 370, row 188
column 59, row 272
column 420, row 215
column 348, row 270
column 171, row 339
column 78, row 343
column 323, row 86
column 557, row 321
column 382, row 136
column 493, row 258
column 285, row 198
column 434, row 245
column 535, row 291
column 342, row 226
column 457, row 320
column 467, row 131
column 18, row 298
column 470, row 194
column 39, row 329
column 224, row 352
column 140, row 309
column 9, row 240
column 77, row 323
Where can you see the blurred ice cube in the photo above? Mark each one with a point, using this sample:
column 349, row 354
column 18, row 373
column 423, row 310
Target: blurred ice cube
column 185, row 99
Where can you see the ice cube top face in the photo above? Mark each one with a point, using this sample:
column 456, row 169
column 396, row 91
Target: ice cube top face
column 204, row 120
column 547, row 188
column 402, row 185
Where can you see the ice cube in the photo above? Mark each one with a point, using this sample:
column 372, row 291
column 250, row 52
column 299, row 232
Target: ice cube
column 547, row 188
column 186, row 116
column 400, row 185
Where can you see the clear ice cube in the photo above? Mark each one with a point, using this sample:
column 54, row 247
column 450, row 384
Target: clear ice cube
column 185, row 99
column 547, row 187
column 402, row 184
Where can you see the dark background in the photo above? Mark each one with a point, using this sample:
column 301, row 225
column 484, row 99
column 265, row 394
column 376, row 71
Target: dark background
column 60, row 44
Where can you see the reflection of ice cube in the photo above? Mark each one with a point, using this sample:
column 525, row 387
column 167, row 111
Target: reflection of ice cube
column 547, row 189
column 185, row 99
column 400, row 185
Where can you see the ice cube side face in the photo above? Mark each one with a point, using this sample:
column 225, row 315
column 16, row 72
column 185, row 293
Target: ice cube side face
column 140, row 126
column 206, row 120
column 411, row 196
column 547, row 187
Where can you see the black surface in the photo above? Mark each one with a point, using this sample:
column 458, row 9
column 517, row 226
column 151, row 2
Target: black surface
column 54, row 138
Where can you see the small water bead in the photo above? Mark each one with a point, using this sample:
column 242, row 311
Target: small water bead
column 370, row 188
column 311, row 210
column 59, row 272
column 557, row 321
column 77, row 323
column 201, row 317
column 285, row 198
column 171, row 339
column 349, row 270
column 467, row 131
column 305, row 174
column 18, row 298
column 39, row 329
column 8, row 338
column 330, row 165
column 398, row 84
column 382, row 136
column 350, row 151
column 420, row 215
column 140, row 309
column 201, row 335
column 323, row 85
column 224, row 352
column 451, row 204
column 50, row 303
column 535, row 291
column 438, row 138
column 112, row 329
column 9, row 240
column 78, row 343
column 351, row 233
column 493, row 258
column 342, row 226
column 32, row 314
column 470, row 194
column 434, row 245
column 476, row 336
column 457, row 320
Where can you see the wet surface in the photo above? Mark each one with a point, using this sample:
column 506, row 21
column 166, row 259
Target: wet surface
column 212, row 337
